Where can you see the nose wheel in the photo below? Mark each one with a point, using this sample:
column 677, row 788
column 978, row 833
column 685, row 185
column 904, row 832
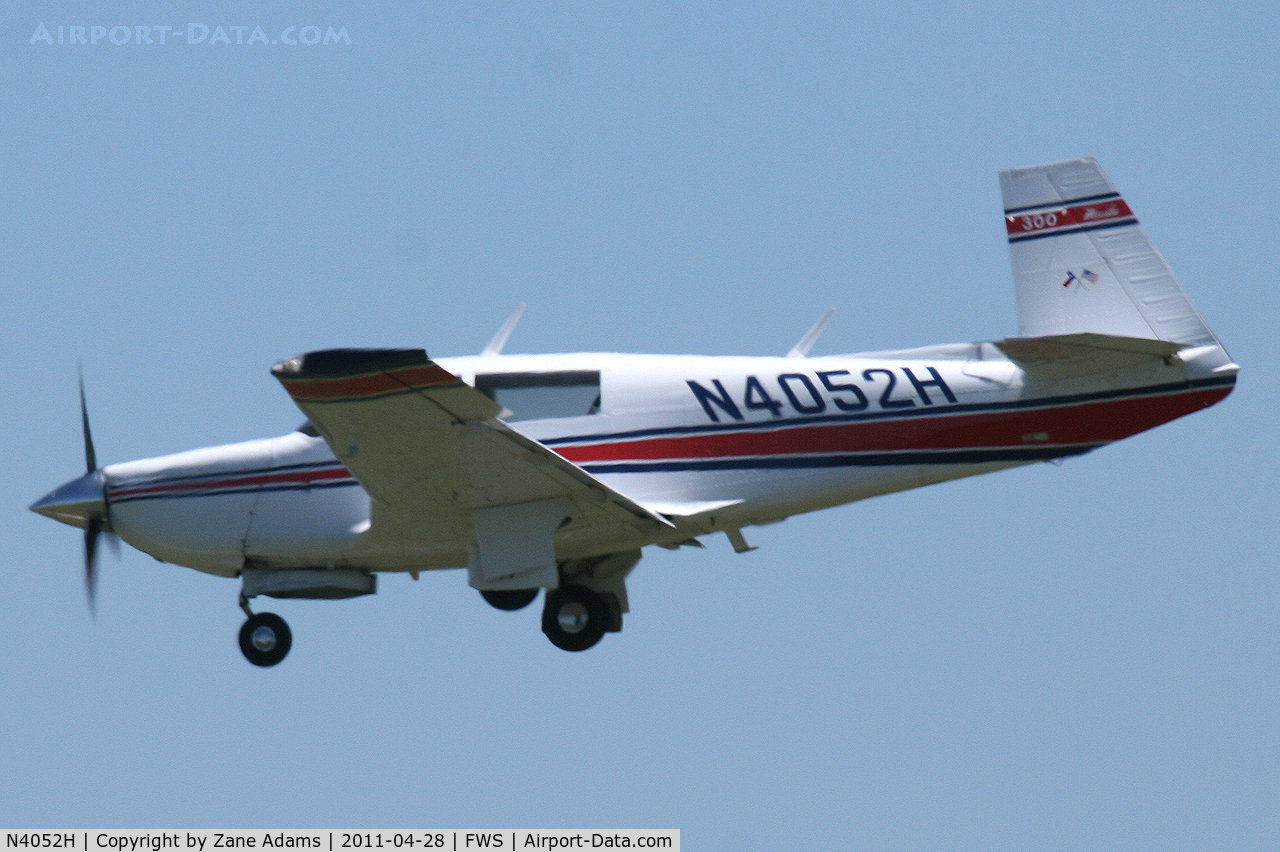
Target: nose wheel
column 265, row 639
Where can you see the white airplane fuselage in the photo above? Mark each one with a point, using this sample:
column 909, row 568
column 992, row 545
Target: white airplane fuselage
column 715, row 442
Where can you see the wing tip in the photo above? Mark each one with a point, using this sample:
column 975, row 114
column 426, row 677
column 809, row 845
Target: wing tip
column 336, row 375
column 326, row 363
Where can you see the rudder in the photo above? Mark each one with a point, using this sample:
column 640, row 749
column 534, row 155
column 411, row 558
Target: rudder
column 1082, row 263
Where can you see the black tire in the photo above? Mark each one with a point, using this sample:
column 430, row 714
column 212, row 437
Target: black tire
column 509, row 600
column 574, row 618
column 265, row 639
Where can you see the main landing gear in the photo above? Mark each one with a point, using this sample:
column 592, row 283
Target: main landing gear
column 265, row 638
column 509, row 600
column 589, row 602
column 573, row 617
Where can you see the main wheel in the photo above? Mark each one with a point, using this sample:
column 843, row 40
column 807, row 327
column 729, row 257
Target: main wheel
column 265, row 639
column 509, row 600
column 574, row 618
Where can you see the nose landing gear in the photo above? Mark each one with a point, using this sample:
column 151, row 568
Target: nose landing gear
column 265, row 638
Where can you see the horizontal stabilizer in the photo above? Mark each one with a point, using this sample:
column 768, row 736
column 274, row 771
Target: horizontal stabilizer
column 1086, row 352
column 1039, row 347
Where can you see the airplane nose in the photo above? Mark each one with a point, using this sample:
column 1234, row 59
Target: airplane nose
column 76, row 501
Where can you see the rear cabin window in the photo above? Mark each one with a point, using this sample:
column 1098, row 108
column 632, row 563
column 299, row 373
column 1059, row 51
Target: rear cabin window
column 533, row 396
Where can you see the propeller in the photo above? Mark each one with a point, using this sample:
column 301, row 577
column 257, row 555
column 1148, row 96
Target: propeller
column 96, row 523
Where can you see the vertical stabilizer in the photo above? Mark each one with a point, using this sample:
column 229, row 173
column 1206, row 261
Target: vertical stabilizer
column 1082, row 263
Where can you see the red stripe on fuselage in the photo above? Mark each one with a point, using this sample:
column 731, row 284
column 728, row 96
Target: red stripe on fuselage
column 1087, row 423
column 252, row 481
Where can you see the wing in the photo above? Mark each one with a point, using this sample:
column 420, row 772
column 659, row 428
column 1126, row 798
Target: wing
column 440, row 466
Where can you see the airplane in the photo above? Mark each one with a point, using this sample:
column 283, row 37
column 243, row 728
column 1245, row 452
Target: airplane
column 554, row 471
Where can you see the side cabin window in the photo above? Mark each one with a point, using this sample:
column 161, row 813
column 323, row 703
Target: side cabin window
column 533, row 396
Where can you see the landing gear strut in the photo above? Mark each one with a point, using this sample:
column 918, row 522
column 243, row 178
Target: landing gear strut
column 265, row 638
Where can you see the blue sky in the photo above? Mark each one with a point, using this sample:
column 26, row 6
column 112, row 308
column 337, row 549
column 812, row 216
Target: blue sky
column 1058, row 657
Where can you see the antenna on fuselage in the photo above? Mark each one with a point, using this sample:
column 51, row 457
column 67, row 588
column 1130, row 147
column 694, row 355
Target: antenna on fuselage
column 801, row 349
column 500, row 339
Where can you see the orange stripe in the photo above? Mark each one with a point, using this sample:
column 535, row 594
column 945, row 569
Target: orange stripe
column 369, row 384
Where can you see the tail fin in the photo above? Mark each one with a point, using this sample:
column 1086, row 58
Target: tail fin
column 1082, row 263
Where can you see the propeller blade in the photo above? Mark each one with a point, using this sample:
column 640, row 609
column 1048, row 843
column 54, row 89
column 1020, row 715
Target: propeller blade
column 97, row 524
column 90, row 457
column 92, row 530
